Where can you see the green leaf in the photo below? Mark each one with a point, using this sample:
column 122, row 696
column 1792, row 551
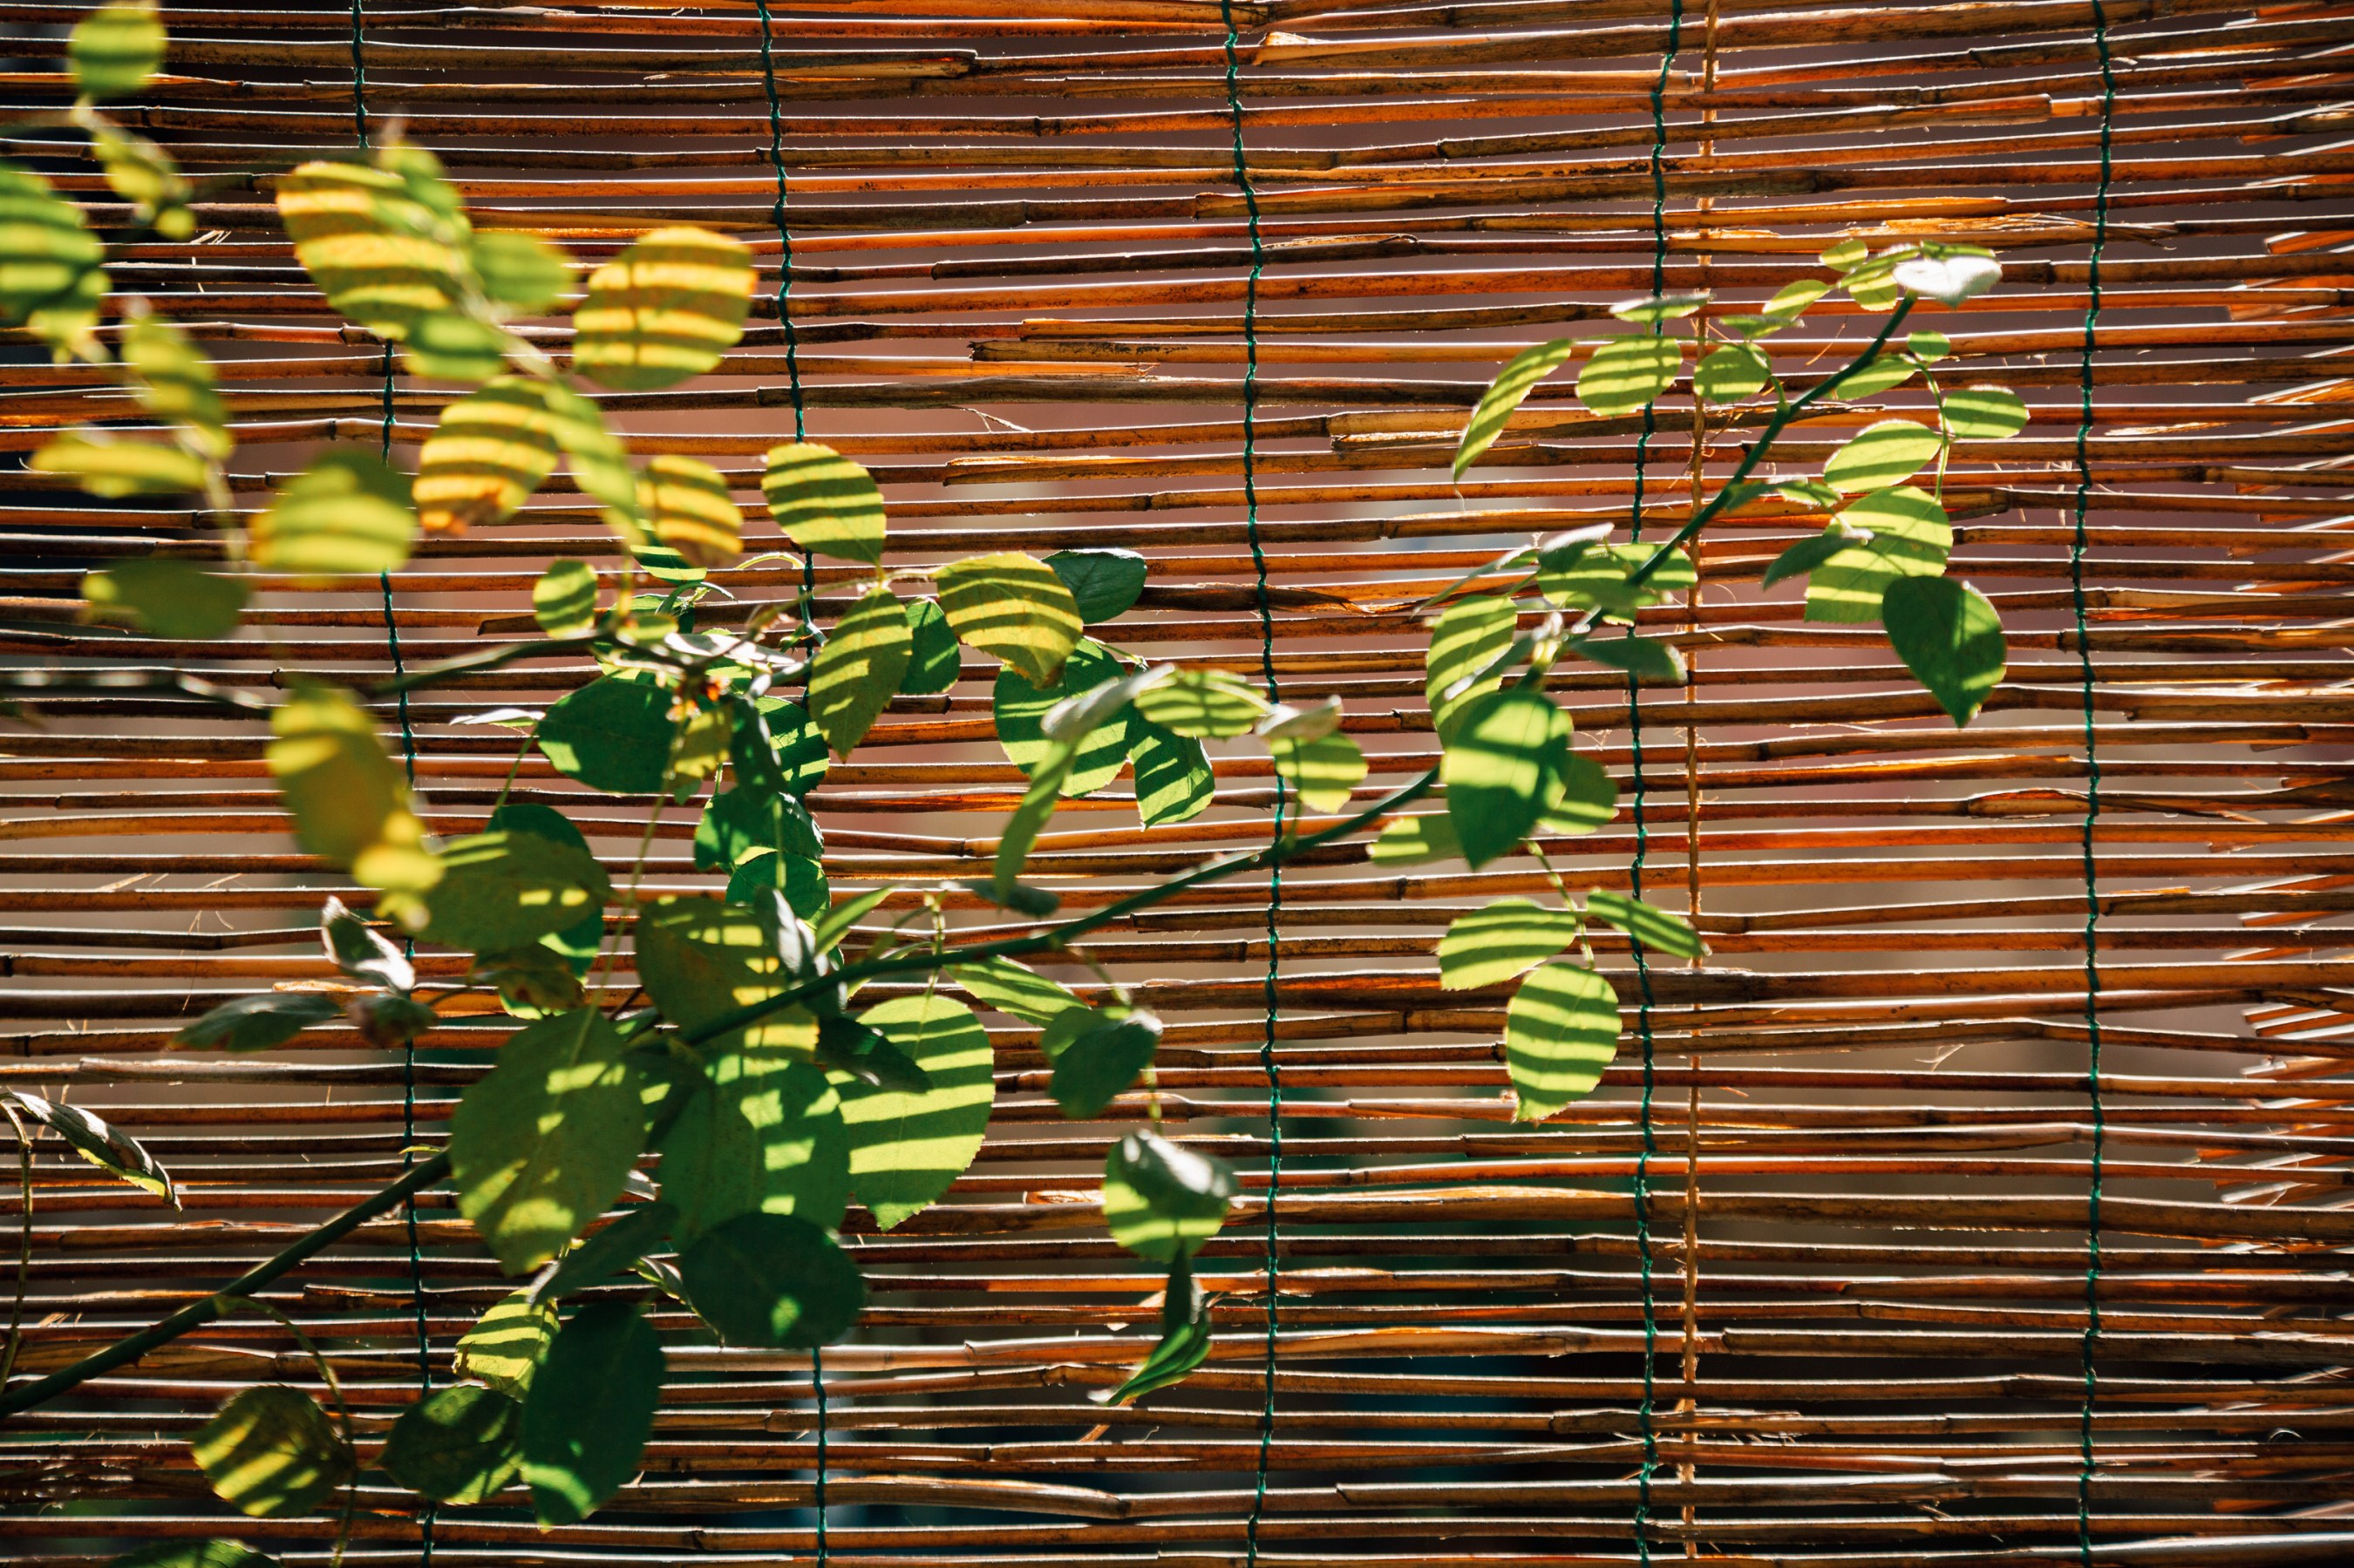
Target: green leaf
column 700, row 959
column 1654, row 308
column 106, row 466
column 491, row 450
column 1510, row 937
column 772, row 1282
column 1162, row 1200
column 175, row 384
column 505, row 888
column 359, row 952
column 1014, row 990
column 836, row 924
column 1468, row 636
column 1789, row 303
column 165, row 597
column 1950, row 638
column 96, row 1141
column 381, row 244
column 742, row 822
column 1102, row 1061
column 688, row 505
column 1910, row 537
column 826, row 504
column 194, row 1554
column 1503, row 768
column 1732, row 371
column 854, row 674
column 765, row 1136
column 258, row 1023
column 1809, row 553
column 578, row 944
column 906, row 1149
column 613, row 733
column 1889, row 452
column 272, row 1452
column 848, row 1045
column 1588, row 798
column 1845, row 256
column 1014, row 607
column 1018, row 708
column 1174, row 782
column 1600, row 579
column 115, row 50
column 1323, row 770
column 451, row 347
column 520, row 270
column 462, row 1444
column 1627, row 372
column 50, row 279
column 564, row 599
column 1654, row 927
column 1881, row 373
column 1929, row 346
column 799, row 877
column 1416, row 840
column 1638, row 656
column 349, row 799
column 1030, row 816
column 936, row 662
column 505, row 1348
column 1560, row 1031
column 1205, row 704
column 590, row 1410
column 347, row 515
column 801, row 753
column 1984, row 414
column 601, row 466
column 668, row 308
column 1506, row 393
column 609, row 1251
column 1104, row 584
column 1185, row 1341
column 533, row 981
column 542, row 1146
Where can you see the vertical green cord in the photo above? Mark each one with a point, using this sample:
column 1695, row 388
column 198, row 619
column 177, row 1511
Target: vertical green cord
column 1266, row 668
column 809, row 566
column 1647, row 1415
column 408, row 767
column 2092, row 795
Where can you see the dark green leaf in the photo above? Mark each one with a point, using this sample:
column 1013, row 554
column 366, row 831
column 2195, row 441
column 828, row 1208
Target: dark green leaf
column 1030, row 818
column 826, row 504
column 260, row 1021
column 578, row 944
column 95, row 1139
column 1014, row 989
column 505, row 1348
column 1653, row 928
column 1014, row 607
column 347, row 513
column 845, row 1044
column 462, row 1444
column 906, row 1149
column 828, row 929
column 1162, row 1202
column 359, row 952
column 1021, row 897
column 195, row 1554
column 590, row 1410
column 542, row 1146
column 533, row 981
column 1104, row 584
column 764, row 1133
column 1809, row 553
column 272, row 1452
column 1510, row 937
column 800, row 878
column 1018, row 708
column 772, row 1282
column 1638, row 656
column 801, row 756
column 1102, row 1062
column 1950, row 638
column 1185, row 1341
column 663, row 310
column 1503, row 768
column 1506, row 393
column 856, row 674
column 115, row 50
column 609, row 1252
column 503, row 889
column 1560, row 1031
column 936, row 662
column 390, row 1022
column 613, row 733
column 742, row 822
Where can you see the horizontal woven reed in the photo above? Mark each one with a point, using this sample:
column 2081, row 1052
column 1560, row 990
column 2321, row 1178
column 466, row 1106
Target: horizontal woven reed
column 1020, row 260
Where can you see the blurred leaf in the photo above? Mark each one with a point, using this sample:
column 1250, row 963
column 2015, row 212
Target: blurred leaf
column 175, row 384
column 1014, row 990
column 1560, row 1031
column 667, row 308
column 772, row 1282
column 446, row 346
column 520, row 270
column 165, row 597
column 51, row 276
column 854, row 674
column 564, row 599
column 260, row 1021
column 143, row 175
column 347, row 797
column 1732, row 371
column 613, row 733
column 936, row 662
column 1886, row 453
column 1789, row 303
column 1174, row 782
column 272, row 1452
column 1950, row 280
column 505, row 888
column 115, row 50
column 460, row 1445
column 1323, row 770
column 491, row 450
column 1627, row 372
column 1104, row 584
column 360, row 952
column 701, row 959
column 539, row 1148
column 1162, row 1200
column 194, row 1554
column 1909, row 538
column 1506, row 393
column 347, row 515
column 906, row 1149
column 1185, row 1341
column 389, row 1023
column 1652, row 926
column 1416, row 840
column 1203, row 704
column 505, row 1348
column 687, row 503
column 382, row 256
column 599, row 464
column 1984, row 414
column 585, row 1421
column 613, row 1250
column 1949, row 637
column 1018, row 708
column 1929, row 346
column 1639, row 656
column 1503, row 768
column 826, row 504
column 105, row 1146
column 106, row 466
column 1102, row 1061
column 1014, row 607
column 1510, row 937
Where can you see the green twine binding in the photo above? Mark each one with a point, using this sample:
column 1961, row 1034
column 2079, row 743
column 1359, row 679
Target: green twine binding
column 1648, row 1413
column 408, row 767
column 809, row 566
column 2076, row 549
column 1266, row 668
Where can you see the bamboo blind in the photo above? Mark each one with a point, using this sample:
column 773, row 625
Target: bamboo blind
column 1851, row 1260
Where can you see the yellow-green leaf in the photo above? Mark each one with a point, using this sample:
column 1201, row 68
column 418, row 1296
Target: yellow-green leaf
column 1416, row 840
column 1510, row 937
column 1507, row 392
column 1985, row 414
column 347, row 797
column 1468, row 635
column 491, row 450
column 50, row 280
column 1652, row 926
column 382, row 256
column 505, row 1348
column 104, row 466
column 272, row 1452
column 166, row 598
column 1323, row 770
column 1889, row 452
column 347, row 515
column 1206, row 704
column 1627, row 372
column 856, row 671
column 564, row 599
column 826, row 504
column 1012, row 606
column 906, row 1149
column 667, row 308
column 687, row 503
column 1910, row 537
column 1560, row 1031
column 115, row 50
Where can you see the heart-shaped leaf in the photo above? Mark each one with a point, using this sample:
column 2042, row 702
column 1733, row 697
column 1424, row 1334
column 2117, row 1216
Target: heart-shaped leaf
column 1949, row 636
column 1560, row 1031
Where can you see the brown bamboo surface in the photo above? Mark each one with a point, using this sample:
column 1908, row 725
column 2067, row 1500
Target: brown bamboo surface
column 1858, row 1264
